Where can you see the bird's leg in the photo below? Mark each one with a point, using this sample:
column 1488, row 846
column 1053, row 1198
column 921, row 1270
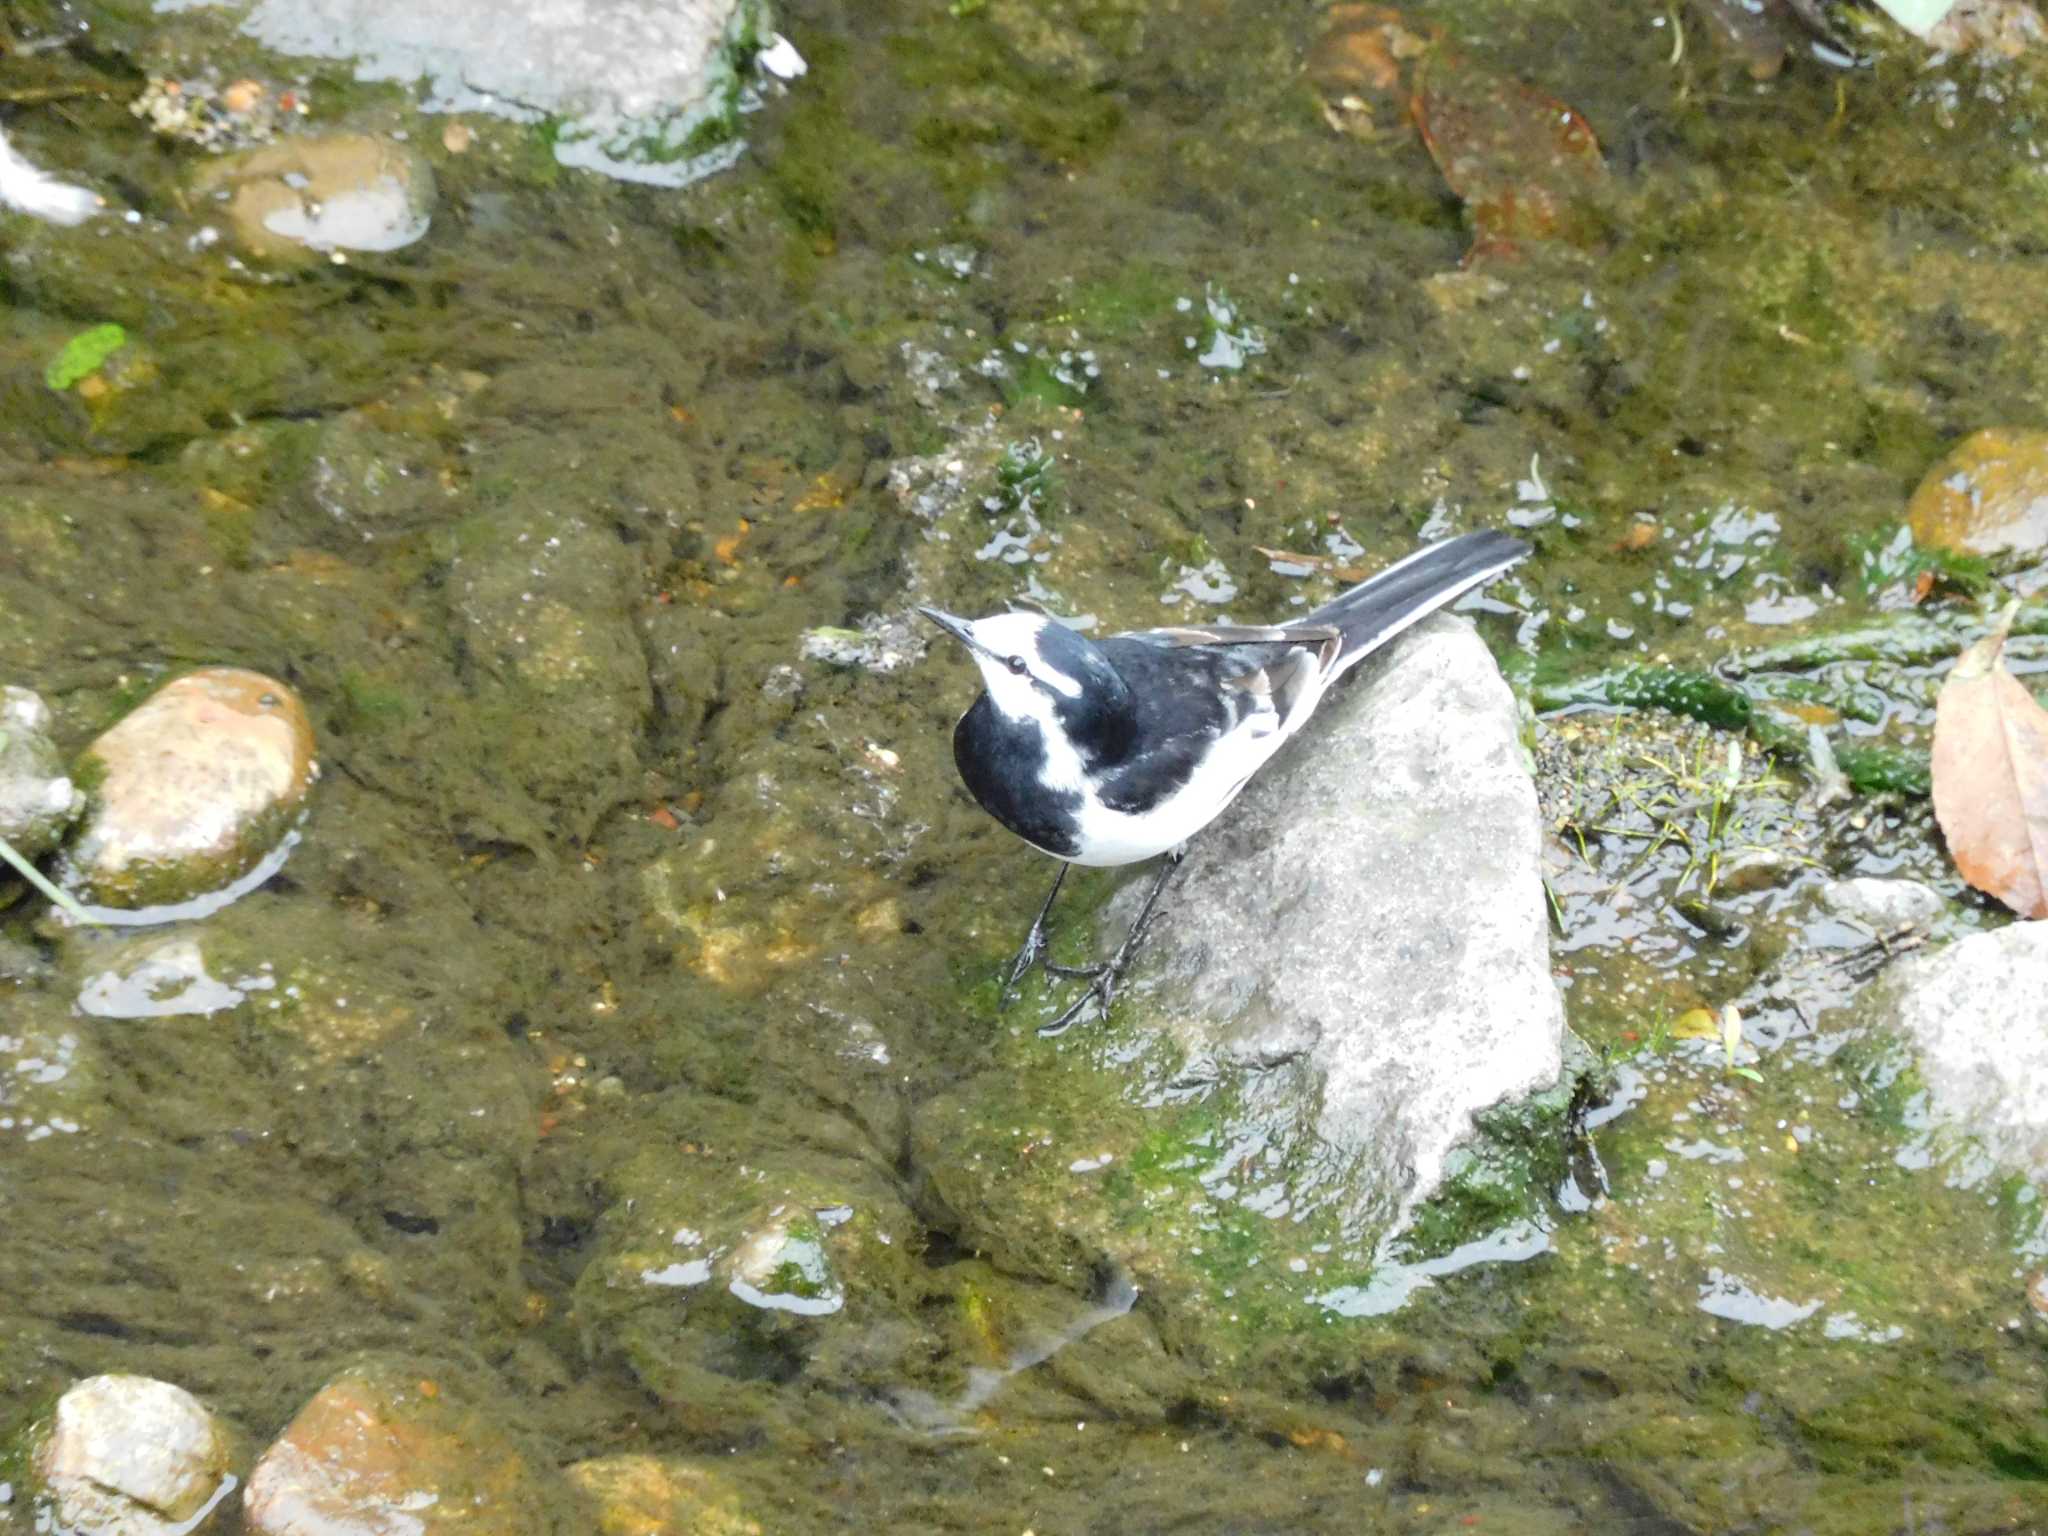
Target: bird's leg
column 1034, row 942
column 1103, row 979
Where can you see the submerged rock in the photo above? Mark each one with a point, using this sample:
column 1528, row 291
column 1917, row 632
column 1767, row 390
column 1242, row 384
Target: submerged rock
column 348, row 192
column 657, row 1496
column 50, row 1077
column 130, row 1456
column 782, row 1265
column 1364, row 931
column 192, row 789
column 373, row 1455
column 164, row 978
column 701, row 1282
column 37, row 799
column 1972, row 1013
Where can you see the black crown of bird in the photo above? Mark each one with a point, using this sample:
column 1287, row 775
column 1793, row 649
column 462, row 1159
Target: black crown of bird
column 1111, row 751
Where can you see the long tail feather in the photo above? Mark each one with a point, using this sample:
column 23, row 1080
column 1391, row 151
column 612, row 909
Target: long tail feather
column 1411, row 589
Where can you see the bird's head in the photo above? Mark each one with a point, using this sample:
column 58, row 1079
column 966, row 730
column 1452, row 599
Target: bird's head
column 1037, row 668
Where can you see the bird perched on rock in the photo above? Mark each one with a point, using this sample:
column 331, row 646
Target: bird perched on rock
column 1105, row 752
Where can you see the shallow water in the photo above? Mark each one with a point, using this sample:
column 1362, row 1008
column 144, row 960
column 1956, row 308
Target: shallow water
column 619, row 913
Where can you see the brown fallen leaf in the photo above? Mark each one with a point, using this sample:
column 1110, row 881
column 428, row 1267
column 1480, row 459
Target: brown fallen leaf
column 1991, row 777
column 1526, row 166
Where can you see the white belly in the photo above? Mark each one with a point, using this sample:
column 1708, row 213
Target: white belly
column 1115, row 837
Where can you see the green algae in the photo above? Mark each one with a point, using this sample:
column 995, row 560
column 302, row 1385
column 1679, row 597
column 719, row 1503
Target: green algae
column 83, row 355
column 488, row 871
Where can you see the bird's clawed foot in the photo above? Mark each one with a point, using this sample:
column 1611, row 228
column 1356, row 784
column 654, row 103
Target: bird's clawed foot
column 1075, row 972
column 1101, row 990
column 1103, row 979
column 1034, row 945
column 1020, row 966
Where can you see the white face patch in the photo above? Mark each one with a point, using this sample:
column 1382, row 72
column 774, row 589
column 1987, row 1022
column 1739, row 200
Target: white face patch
column 1016, row 634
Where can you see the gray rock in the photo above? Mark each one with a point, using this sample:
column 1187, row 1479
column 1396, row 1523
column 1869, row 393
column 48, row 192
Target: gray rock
column 1366, row 926
column 37, row 799
column 629, row 80
column 1973, row 1014
column 131, row 1456
column 1882, row 904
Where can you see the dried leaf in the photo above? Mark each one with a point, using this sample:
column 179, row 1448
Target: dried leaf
column 1526, row 166
column 1991, row 777
column 1363, row 48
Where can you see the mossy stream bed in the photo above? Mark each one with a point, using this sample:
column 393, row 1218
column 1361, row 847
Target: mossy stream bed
column 638, row 897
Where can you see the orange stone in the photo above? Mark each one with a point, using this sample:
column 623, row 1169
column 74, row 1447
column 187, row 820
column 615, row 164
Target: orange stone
column 190, row 790
column 372, row 1454
column 1988, row 497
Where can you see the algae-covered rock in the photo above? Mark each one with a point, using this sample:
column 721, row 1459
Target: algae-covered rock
column 1351, row 975
column 560, row 687
column 192, row 789
column 1366, row 930
column 660, row 1496
column 378, row 1451
column 131, row 1456
column 37, row 798
column 328, row 989
column 347, row 192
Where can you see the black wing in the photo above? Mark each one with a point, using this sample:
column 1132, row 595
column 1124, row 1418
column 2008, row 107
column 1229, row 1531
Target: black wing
column 1191, row 688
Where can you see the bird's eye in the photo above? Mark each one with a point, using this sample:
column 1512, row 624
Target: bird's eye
column 1016, row 665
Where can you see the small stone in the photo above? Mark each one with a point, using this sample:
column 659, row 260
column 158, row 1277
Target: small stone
column 1882, row 904
column 192, row 789
column 1759, row 869
column 130, row 1456
column 655, row 1496
column 376, row 1453
column 349, row 192
column 782, row 1266
column 37, row 800
column 1988, row 497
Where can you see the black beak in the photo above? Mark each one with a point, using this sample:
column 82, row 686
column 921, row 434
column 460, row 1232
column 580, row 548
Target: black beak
column 952, row 625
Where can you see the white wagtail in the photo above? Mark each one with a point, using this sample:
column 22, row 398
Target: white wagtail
column 1105, row 752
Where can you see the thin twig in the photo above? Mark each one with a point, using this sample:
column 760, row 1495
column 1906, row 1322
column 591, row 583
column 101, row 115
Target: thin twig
column 30, row 95
column 34, row 877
